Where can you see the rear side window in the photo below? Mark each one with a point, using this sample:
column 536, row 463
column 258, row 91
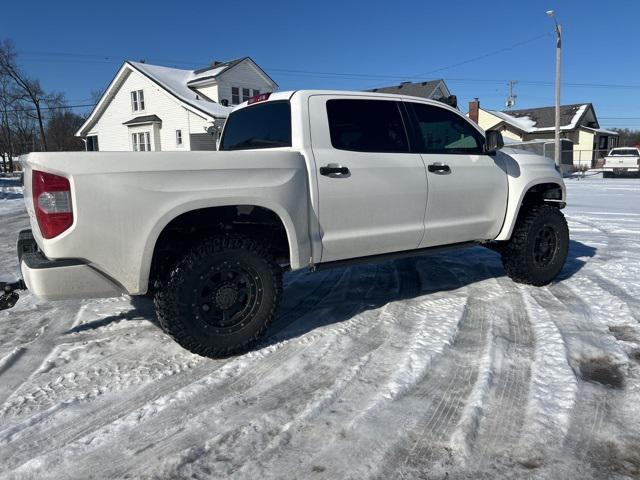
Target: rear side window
column 442, row 131
column 265, row 125
column 620, row 151
column 367, row 126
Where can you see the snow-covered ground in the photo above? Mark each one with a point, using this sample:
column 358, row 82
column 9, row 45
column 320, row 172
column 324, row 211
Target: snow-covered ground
column 434, row 367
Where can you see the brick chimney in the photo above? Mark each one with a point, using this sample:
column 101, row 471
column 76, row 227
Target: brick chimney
column 474, row 108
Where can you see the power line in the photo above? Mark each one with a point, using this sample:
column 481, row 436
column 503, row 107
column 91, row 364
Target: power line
column 360, row 76
column 61, row 107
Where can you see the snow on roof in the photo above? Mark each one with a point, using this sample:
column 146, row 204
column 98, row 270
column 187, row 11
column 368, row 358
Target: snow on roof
column 529, row 120
column 523, row 123
column 601, row 130
column 175, row 80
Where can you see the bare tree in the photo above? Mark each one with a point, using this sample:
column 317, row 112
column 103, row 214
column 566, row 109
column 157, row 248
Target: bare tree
column 7, row 102
column 61, row 128
column 28, row 88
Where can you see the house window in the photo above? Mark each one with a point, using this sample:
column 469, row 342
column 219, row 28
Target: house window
column 602, row 142
column 256, row 92
column 141, row 142
column 137, row 100
column 92, row 143
column 179, row 138
column 245, row 94
column 235, row 95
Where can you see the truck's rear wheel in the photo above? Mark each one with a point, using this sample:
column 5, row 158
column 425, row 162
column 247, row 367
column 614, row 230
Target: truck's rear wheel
column 538, row 247
column 221, row 296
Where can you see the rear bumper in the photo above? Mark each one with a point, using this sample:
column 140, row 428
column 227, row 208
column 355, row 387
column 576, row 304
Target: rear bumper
column 621, row 169
column 62, row 279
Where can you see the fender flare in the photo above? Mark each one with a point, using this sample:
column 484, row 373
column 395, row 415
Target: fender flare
column 168, row 216
column 514, row 205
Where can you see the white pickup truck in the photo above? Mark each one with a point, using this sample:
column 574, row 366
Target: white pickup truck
column 304, row 179
column 621, row 161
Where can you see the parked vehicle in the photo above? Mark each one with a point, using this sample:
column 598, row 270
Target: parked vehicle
column 305, row 179
column 622, row 161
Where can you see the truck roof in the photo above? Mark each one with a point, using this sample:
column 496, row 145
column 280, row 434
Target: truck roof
column 289, row 94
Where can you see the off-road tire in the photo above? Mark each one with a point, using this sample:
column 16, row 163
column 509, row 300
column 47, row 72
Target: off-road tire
column 179, row 299
column 521, row 256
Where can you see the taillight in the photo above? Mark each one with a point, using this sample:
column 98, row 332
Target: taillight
column 52, row 203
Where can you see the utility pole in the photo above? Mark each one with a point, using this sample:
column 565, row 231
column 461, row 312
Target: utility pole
column 558, row 152
column 511, row 100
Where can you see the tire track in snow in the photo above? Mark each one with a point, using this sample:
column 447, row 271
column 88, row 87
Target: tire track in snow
column 616, row 291
column 583, row 340
column 403, row 337
column 503, row 414
column 77, row 428
column 374, row 341
column 455, row 375
column 36, row 351
column 279, row 357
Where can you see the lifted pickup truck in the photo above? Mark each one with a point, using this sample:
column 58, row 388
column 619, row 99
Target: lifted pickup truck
column 621, row 161
column 305, row 179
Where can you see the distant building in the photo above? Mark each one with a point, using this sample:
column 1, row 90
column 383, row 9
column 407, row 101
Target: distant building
column 578, row 123
column 431, row 89
column 151, row 107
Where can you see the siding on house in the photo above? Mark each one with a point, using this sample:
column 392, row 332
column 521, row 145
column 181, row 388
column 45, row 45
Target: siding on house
column 486, row 120
column 242, row 75
column 114, row 136
column 202, row 141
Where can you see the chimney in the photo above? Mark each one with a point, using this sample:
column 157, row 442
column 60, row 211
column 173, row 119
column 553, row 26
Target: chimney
column 474, row 107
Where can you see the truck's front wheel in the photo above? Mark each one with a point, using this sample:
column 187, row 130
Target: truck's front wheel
column 221, row 296
column 538, row 248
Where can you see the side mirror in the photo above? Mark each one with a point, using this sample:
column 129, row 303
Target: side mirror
column 494, row 141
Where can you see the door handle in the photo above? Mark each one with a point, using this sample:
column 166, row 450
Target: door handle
column 439, row 168
column 334, row 170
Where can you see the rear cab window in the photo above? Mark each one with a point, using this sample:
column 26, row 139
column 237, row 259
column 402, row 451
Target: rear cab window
column 626, row 152
column 263, row 125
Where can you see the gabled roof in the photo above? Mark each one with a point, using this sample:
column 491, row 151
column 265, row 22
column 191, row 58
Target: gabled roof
column 419, row 89
column 212, row 72
column 143, row 120
column 532, row 120
column 174, row 81
column 177, row 82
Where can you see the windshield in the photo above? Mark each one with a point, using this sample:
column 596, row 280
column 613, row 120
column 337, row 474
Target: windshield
column 265, row 125
column 625, row 152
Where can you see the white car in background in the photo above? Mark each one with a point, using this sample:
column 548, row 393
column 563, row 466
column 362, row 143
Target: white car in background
column 622, row 161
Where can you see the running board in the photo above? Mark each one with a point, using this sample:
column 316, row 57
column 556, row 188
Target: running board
column 392, row 256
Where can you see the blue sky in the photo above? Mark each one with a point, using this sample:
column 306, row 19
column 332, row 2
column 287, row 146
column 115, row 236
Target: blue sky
column 76, row 47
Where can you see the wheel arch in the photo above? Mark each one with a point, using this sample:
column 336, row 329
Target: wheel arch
column 177, row 214
column 543, row 190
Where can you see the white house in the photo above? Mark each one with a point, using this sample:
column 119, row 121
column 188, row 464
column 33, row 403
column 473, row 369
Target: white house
column 151, row 107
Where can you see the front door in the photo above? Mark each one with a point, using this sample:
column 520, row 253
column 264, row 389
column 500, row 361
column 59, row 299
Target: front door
column 372, row 190
column 468, row 189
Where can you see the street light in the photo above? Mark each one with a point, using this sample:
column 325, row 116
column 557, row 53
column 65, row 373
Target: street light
column 551, row 14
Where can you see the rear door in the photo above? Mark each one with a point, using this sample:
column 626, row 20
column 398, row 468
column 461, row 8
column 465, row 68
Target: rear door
column 467, row 188
column 372, row 189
